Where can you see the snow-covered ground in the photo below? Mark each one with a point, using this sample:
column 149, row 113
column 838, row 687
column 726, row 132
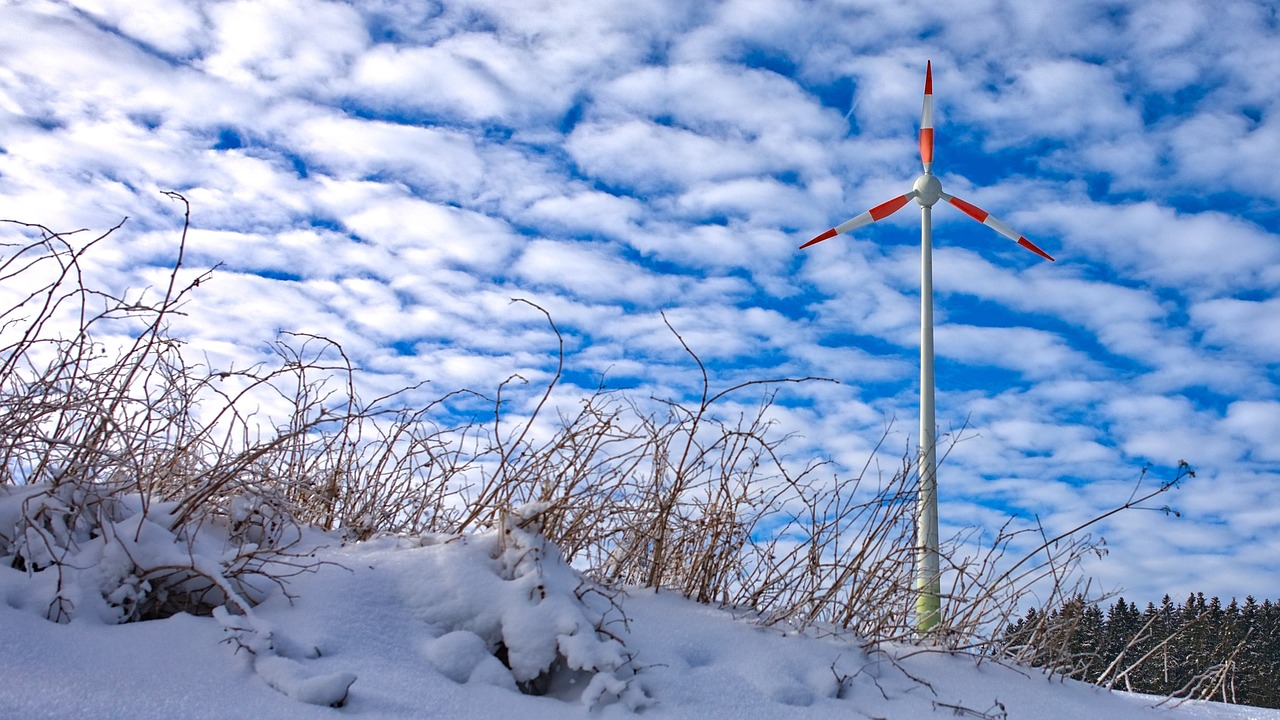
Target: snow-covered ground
column 400, row 628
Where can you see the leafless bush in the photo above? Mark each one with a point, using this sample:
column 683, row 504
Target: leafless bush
column 108, row 438
column 102, row 442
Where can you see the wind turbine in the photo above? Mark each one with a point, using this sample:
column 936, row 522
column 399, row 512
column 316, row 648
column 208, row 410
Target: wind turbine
column 926, row 192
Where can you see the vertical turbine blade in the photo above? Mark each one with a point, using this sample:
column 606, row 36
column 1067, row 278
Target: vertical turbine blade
column 926, row 120
column 986, row 218
column 879, row 212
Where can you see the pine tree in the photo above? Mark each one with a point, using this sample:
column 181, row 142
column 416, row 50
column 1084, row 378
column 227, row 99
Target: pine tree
column 1192, row 650
column 1089, row 642
column 1122, row 625
column 1269, row 650
column 1168, row 623
column 1251, row 667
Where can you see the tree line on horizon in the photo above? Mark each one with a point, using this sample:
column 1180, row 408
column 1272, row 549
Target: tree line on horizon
column 1197, row 649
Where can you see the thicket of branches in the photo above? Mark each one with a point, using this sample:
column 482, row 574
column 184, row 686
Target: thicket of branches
column 108, row 431
column 1196, row 649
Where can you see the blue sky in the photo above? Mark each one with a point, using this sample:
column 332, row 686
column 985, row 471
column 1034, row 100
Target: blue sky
column 390, row 173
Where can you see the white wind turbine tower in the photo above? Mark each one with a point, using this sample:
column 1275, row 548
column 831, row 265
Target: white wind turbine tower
column 927, row 191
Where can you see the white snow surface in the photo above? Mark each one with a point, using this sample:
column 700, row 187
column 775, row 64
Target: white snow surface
column 413, row 628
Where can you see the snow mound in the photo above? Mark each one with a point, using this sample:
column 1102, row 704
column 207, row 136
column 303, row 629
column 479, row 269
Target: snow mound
column 292, row 678
column 489, row 625
column 91, row 553
column 94, row 551
column 510, row 611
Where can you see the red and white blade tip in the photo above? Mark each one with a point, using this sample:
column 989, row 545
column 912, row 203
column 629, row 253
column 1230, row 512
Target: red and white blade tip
column 1032, row 247
column 824, row 236
column 879, row 212
column 926, row 120
column 994, row 223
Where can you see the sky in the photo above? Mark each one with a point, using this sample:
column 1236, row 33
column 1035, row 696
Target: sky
column 391, row 173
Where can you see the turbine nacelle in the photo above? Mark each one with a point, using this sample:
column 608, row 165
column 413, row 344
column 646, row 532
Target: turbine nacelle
column 928, row 190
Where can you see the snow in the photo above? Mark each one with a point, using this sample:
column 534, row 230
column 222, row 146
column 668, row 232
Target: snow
column 419, row 628
column 292, row 678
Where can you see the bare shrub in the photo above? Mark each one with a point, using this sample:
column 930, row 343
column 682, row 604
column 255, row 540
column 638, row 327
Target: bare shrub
column 104, row 442
column 107, row 444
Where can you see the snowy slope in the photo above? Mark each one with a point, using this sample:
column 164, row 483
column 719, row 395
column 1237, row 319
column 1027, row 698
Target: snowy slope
column 414, row 624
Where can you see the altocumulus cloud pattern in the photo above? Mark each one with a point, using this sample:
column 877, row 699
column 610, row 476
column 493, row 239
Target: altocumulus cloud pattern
column 390, row 174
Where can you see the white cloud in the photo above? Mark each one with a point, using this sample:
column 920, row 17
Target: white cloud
column 285, row 42
column 1196, row 255
column 589, row 211
column 1034, row 353
column 1255, row 422
column 1220, row 149
column 1167, row 428
column 718, row 99
column 422, row 232
column 648, row 157
column 472, row 76
column 760, row 202
column 1060, row 99
column 170, row 27
column 591, row 272
column 435, row 160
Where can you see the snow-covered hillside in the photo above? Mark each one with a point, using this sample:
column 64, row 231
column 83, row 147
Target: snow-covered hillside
column 414, row 628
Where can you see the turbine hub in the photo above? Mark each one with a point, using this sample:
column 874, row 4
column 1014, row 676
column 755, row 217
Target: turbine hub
column 928, row 190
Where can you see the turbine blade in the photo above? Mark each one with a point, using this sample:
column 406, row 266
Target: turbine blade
column 879, row 212
column 926, row 120
column 987, row 219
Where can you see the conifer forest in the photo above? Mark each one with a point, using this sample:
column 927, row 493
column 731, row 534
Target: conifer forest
column 1195, row 649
